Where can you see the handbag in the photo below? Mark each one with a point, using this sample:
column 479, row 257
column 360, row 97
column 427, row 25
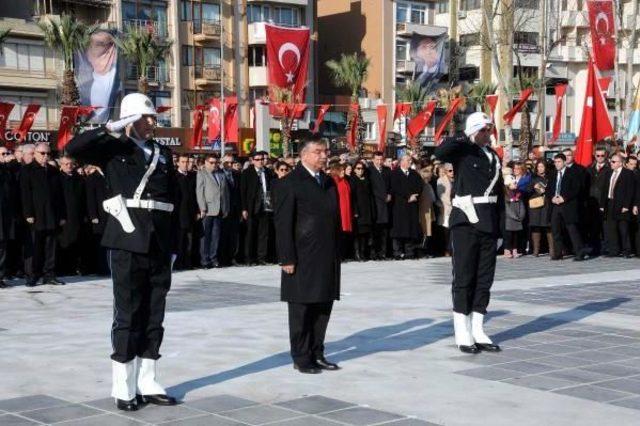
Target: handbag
column 536, row 203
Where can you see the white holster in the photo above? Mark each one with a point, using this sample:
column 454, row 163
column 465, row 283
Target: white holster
column 117, row 207
column 465, row 204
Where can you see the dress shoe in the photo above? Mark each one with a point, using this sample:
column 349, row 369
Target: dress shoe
column 581, row 257
column 53, row 281
column 556, row 257
column 326, row 365
column 31, row 282
column 126, row 405
column 262, row 263
column 488, row 347
column 157, row 399
column 629, row 256
column 473, row 349
column 307, row 369
column 215, row 264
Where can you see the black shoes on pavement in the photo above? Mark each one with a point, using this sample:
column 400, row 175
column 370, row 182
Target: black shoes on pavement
column 160, row 399
column 317, row 366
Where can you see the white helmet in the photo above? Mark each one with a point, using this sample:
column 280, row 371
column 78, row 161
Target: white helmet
column 476, row 122
column 136, row 103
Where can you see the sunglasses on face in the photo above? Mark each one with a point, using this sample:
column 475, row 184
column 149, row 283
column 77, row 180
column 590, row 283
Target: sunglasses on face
column 6, row 153
column 358, row 168
column 449, row 171
column 258, row 159
column 283, row 169
column 212, row 162
column 600, row 155
column 43, row 152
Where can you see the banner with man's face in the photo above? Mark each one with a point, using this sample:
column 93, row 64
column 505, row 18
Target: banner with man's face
column 428, row 54
column 96, row 71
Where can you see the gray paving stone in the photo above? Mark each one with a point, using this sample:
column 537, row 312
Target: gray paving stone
column 577, row 375
column 13, row 420
column 33, row 402
column 613, row 369
column 361, row 416
column 203, row 420
column 613, row 338
column 410, row 422
column 625, row 385
column 306, row 421
column 628, row 403
column 598, row 356
column 102, row 420
column 315, row 404
column 260, row 414
column 160, row 414
column 555, row 348
column 490, row 373
column 565, row 361
column 593, row 393
column 220, row 403
column 575, row 333
column 631, row 351
column 541, row 382
column 61, row 414
column 528, row 367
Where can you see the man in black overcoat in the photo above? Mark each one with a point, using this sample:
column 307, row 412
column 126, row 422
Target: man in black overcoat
column 406, row 188
column 96, row 187
column 307, row 223
column 188, row 213
column 565, row 186
column 70, row 235
column 594, row 219
column 44, row 210
column 474, row 224
column 8, row 213
column 616, row 201
column 230, row 236
column 140, row 233
column 381, row 190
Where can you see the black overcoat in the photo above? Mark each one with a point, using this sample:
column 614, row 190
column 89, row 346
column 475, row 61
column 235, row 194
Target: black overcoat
column 406, row 219
column 380, row 188
column 362, row 204
column 75, row 204
column 96, row 187
column 8, row 203
column 307, row 223
column 571, row 187
column 42, row 196
column 251, row 190
column 623, row 193
column 187, row 201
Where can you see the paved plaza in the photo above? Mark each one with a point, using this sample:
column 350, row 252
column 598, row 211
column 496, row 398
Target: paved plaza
column 570, row 333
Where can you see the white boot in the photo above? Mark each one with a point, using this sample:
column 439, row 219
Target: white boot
column 462, row 330
column 477, row 329
column 124, row 380
column 147, row 383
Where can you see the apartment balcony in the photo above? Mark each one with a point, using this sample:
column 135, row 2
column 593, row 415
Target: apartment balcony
column 404, row 66
column 258, row 76
column 156, row 76
column 258, row 34
column 207, row 75
column 160, row 29
column 95, row 3
column 407, row 29
column 206, row 30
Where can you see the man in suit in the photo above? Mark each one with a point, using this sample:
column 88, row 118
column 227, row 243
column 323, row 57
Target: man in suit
column 406, row 188
column 70, row 235
column 230, row 238
column 616, row 201
column 381, row 189
column 96, row 187
column 474, row 224
column 307, row 224
column 593, row 217
column 565, row 186
column 140, row 233
column 255, row 199
column 213, row 201
column 583, row 196
column 8, row 217
column 188, row 212
column 44, row 211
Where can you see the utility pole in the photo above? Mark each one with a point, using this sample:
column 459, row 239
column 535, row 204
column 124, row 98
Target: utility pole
column 222, row 106
column 542, row 95
column 633, row 39
column 616, row 69
column 243, row 96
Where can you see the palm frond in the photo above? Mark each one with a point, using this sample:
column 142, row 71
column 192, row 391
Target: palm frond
column 479, row 92
column 3, row 35
column 349, row 72
column 66, row 35
column 143, row 48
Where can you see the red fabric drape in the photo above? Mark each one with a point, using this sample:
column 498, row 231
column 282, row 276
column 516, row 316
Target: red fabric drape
column 344, row 198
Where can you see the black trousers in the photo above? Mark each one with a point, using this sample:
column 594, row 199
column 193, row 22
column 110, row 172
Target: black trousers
column 185, row 243
column 594, row 226
column 40, row 254
column 617, row 233
column 380, row 234
column 68, row 259
column 474, row 266
column 140, row 286
column 3, row 259
column 229, row 238
column 257, row 239
column 404, row 246
column 558, row 225
column 307, row 330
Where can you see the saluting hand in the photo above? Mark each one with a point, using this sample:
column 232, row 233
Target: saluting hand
column 289, row 269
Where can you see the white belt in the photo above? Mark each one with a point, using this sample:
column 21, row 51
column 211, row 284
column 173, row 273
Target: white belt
column 487, row 199
column 149, row 205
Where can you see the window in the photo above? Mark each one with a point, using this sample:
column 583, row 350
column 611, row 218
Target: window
column 371, row 131
column 411, row 12
column 402, row 50
column 468, row 40
column 470, row 4
column 162, row 99
column 189, row 98
column 211, row 56
column 186, row 8
column 142, row 13
column 187, row 55
column 286, row 16
column 443, row 6
column 257, row 56
column 521, row 37
column 418, row 14
column 257, row 13
column 402, row 12
column 21, row 104
column 528, row 4
column 26, row 57
column 257, row 93
column 210, row 12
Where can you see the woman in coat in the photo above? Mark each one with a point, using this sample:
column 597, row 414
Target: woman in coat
column 539, row 208
column 363, row 210
column 443, row 194
column 514, row 214
column 427, row 213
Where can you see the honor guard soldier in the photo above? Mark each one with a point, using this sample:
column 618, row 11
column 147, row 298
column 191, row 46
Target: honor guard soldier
column 139, row 233
column 474, row 224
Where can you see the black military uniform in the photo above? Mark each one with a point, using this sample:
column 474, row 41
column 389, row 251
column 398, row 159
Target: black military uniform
column 96, row 187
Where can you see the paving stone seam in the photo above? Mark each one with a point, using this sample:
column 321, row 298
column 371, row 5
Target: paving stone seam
column 27, row 418
column 78, row 418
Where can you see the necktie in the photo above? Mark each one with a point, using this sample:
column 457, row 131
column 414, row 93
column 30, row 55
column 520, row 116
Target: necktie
column 558, row 183
column 318, row 178
column 215, row 177
column 614, row 179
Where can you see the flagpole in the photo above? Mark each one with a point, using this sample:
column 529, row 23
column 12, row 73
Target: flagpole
column 629, row 77
column 616, row 70
column 221, row 115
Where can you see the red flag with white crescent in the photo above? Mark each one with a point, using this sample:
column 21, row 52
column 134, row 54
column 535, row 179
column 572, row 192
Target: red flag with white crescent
column 524, row 97
column 68, row 117
column 288, row 58
column 604, row 83
column 420, row 121
column 231, row 119
column 27, row 121
column 5, row 111
column 198, row 120
column 560, row 90
column 322, row 111
column 603, row 30
column 402, row 109
column 382, row 127
column 447, row 118
column 213, row 119
column 352, row 134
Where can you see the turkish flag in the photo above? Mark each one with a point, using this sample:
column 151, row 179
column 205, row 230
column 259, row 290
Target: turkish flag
column 231, row 119
column 198, row 120
column 213, row 119
column 321, row 113
column 604, row 83
column 5, row 111
column 595, row 125
column 382, row 127
column 511, row 114
column 288, row 58
column 86, row 109
column 492, row 101
column 68, row 117
column 603, row 30
column 560, row 90
column 447, row 118
column 352, row 134
column 420, row 121
column 27, row 121
column 403, row 109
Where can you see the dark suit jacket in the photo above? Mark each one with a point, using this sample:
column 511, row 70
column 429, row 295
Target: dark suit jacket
column 233, row 184
column 380, row 188
column 406, row 220
column 75, row 204
column 307, row 223
column 187, row 206
column 251, row 190
column 8, row 203
column 623, row 193
column 96, row 187
column 42, row 196
column 124, row 164
column 570, row 189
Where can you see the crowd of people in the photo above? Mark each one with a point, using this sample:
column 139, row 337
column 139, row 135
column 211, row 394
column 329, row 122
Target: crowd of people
column 52, row 217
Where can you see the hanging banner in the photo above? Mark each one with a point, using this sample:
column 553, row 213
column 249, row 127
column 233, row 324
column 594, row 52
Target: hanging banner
column 447, row 118
column 213, row 120
column 231, row 119
column 352, row 133
column 634, row 124
column 68, row 117
column 524, row 97
column 560, row 90
column 492, row 102
column 427, row 53
column 288, row 59
column 420, row 121
column 321, row 113
column 402, row 110
column 5, row 111
column 603, row 30
column 198, row 120
column 382, row 127
column 27, row 121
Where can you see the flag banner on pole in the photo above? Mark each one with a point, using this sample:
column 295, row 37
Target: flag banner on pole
column 322, row 111
column 603, row 30
column 198, row 120
column 447, row 118
column 560, row 91
column 595, row 125
column 382, row 127
column 231, row 119
column 604, row 83
column 524, row 97
column 27, row 121
column 352, row 134
column 68, row 117
column 402, row 109
column 288, row 59
column 420, row 121
column 492, row 102
column 213, row 120
column 633, row 130
column 5, row 111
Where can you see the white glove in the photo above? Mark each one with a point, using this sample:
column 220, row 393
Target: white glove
column 118, row 126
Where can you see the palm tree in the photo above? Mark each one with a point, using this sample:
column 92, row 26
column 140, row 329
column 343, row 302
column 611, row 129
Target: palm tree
column 284, row 97
column 446, row 98
column 415, row 94
column 478, row 94
column 144, row 49
column 66, row 35
column 350, row 72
